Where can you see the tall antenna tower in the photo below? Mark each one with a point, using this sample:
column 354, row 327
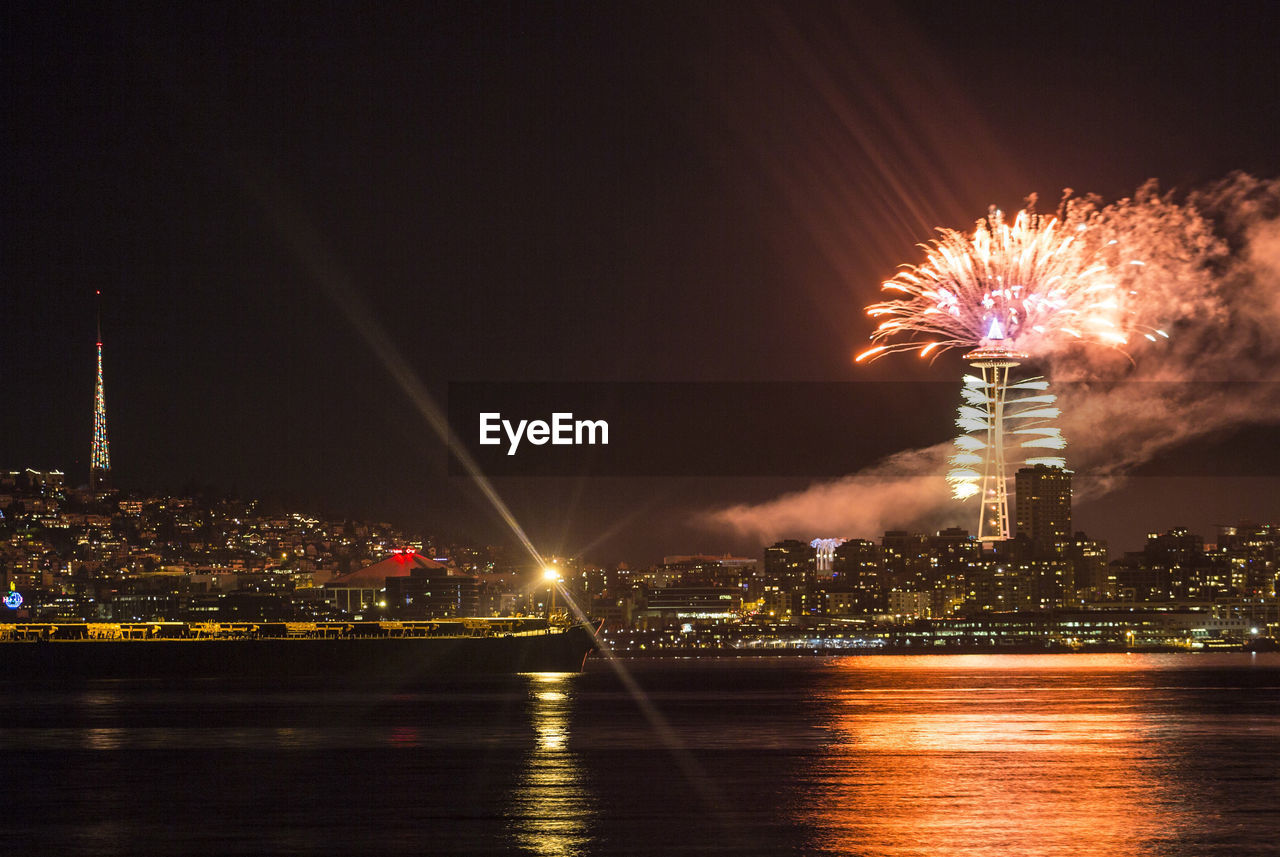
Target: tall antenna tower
column 100, row 453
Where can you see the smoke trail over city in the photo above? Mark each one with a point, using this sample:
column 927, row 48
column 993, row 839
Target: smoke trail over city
column 1196, row 313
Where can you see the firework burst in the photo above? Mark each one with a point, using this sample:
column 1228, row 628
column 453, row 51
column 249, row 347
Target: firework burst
column 1031, row 285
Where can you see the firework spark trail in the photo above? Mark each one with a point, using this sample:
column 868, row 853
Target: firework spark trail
column 1211, row 280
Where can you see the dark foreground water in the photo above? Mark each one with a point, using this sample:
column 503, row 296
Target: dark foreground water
column 951, row 755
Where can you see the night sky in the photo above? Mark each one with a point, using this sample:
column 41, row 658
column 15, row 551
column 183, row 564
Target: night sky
column 547, row 192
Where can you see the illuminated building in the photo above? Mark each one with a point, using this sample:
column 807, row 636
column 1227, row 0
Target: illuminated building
column 1043, row 504
column 953, row 556
column 433, row 592
column 1012, row 583
column 37, row 481
column 704, row 570
column 1140, row 583
column 1250, row 549
column 1172, row 565
column 909, row 605
column 858, row 578
column 789, row 563
column 777, row 602
column 1127, row 627
column 1094, row 579
column 366, row 588
column 678, row 605
column 843, row 604
column 1179, row 546
column 906, row 560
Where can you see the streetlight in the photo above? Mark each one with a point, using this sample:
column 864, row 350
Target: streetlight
column 552, row 577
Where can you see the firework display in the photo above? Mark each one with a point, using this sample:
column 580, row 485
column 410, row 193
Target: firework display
column 1029, row 285
column 1006, row 292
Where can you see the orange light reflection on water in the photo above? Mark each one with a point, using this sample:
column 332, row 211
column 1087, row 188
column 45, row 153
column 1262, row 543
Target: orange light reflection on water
column 972, row 756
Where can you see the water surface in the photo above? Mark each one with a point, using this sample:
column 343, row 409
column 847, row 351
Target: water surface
column 884, row 755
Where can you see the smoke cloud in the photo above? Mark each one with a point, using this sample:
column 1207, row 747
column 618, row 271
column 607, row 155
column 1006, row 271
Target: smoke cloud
column 1211, row 279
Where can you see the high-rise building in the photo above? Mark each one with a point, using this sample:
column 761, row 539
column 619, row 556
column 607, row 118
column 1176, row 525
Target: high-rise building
column 1092, row 575
column 1176, row 561
column 906, row 560
column 1044, row 508
column 789, row 563
column 100, row 451
column 1253, row 552
column 858, row 571
column 954, row 557
column 1021, row 584
column 705, row 570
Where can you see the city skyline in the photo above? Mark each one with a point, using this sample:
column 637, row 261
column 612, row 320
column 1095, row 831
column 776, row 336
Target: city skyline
column 100, row 564
column 1041, row 514
column 521, row 225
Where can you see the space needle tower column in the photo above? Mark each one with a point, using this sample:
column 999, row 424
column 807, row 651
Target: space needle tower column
column 994, row 361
